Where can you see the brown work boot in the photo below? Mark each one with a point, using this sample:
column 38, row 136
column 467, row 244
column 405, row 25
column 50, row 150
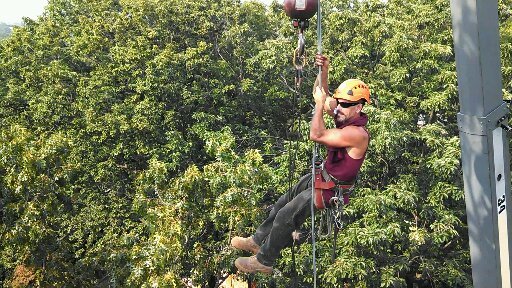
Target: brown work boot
column 246, row 244
column 251, row 265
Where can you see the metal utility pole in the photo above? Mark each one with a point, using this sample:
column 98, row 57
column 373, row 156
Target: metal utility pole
column 485, row 149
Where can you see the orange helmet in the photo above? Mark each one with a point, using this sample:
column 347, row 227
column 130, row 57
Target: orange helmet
column 353, row 90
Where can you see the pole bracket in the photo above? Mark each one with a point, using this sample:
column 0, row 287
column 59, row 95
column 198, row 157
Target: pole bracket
column 475, row 125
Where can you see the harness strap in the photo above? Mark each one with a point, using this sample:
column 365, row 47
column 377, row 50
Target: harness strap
column 325, row 181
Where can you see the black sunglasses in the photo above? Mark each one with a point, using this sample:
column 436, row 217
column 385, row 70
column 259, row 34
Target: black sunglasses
column 346, row 104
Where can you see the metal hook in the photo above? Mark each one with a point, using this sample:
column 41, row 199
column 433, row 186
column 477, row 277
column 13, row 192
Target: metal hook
column 301, row 43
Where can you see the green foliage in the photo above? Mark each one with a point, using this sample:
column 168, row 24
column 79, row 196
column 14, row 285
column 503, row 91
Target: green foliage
column 128, row 93
column 138, row 137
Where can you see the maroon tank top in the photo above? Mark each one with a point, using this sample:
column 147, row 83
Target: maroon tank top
column 338, row 163
column 341, row 166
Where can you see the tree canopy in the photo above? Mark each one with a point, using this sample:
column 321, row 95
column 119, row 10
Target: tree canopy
column 138, row 137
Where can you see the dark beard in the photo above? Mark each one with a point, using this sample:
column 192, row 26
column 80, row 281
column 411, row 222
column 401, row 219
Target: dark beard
column 338, row 122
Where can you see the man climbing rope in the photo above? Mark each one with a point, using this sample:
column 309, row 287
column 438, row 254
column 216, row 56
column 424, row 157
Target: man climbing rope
column 346, row 145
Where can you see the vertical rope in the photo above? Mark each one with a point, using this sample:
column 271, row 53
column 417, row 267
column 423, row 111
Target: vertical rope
column 319, row 31
column 315, row 149
column 313, row 211
column 292, row 154
column 298, row 62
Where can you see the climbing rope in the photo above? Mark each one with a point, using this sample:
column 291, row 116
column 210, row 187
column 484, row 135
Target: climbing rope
column 300, row 11
column 292, row 151
column 299, row 61
column 315, row 148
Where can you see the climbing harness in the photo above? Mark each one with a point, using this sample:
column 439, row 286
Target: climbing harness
column 324, row 181
column 331, row 211
column 331, row 219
